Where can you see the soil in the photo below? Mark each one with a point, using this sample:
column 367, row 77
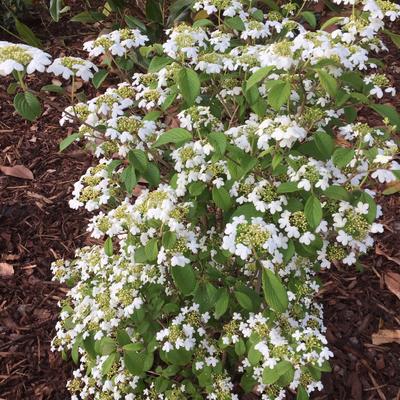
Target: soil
column 37, row 226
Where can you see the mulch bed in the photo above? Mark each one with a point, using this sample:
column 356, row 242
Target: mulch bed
column 37, row 226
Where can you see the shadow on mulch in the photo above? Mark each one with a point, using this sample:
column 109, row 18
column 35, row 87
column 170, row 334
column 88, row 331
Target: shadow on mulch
column 37, row 226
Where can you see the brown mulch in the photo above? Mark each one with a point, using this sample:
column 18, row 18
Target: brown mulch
column 37, row 226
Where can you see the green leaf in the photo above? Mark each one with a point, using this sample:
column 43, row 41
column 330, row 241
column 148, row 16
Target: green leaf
column 278, row 95
column 388, row 112
column 151, row 249
column 240, row 347
column 313, row 211
column 310, row 18
column 325, row 144
column 27, row 105
column 302, row 394
column 221, row 305
column 138, row 159
column 189, row 85
column 196, row 188
column 221, row 198
column 328, row 82
column 108, row 247
column 184, row 278
column 174, row 135
column 394, row 37
column 218, row 141
column 342, row 156
column 330, row 22
column 235, row 23
column 153, row 11
column 109, row 362
column 337, row 192
column 287, row 187
column 271, row 375
column 134, row 22
column 54, row 8
column 68, row 141
column 52, row 88
column 244, row 300
column 104, row 346
column 128, row 176
column 258, row 76
column 157, row 63
column 137, row 363
column 99, row 78
column 152, row 174
column 274, row 292
column 26, row 34
column 88, row 17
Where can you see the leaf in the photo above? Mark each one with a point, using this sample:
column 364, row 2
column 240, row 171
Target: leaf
column 108, row 247
column 184, row 278
column 221, row 198
column 17, row 171
column 54, row 8
column 328, row 82
column 386, row 336
column 174, row 135
column 157, row 63
column 287, row 187
column 221, row 305
column 302, row 394
column 244, row 300
column 342, row 156
column 388, row 112
column 189, row 85
column 137, row 363
column 152, row 174
column 313, row 211
column 278, row 95
column 128, row 176
column 337, row 192
column 27, row 105
column 394, row 37
column 108, row 363
column 88, row 17
column 153, row 11
column 325, row 144
column 99, row 78
column 134, row 22
column 52, row 88
column 218, row 141
column 151, row 249
column 235, row 23
column 392, row 280
column 271, row 375
column 26, row 34
column 310, row 18
column 258, row 76
column 138, row 159
column 274, row 292
column 6, row 270
column 68, row 141
column 330, row 22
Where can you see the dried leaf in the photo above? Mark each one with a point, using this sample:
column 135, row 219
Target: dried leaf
column 6, row 270
column 386, row 336
column 380, row 252
column 392, row 281
column 18, row 171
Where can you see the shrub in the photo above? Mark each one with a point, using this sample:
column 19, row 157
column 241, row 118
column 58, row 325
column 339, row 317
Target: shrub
column 228, row 175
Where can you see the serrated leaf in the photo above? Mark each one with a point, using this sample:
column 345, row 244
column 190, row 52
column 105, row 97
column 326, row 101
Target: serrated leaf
column 99, row 78
column 184, row 278
column 274, row 292
column 221, row 198
column 258, row 76
column 313, row 211
column 272, row 375
column 27, row 105
column 221, row 305
column 342, row 156
column 108, row 247
column 278, row 95
column 188, row 85
column 68, row 141
column 157, row 63
column 328, row 82
column 174, row 135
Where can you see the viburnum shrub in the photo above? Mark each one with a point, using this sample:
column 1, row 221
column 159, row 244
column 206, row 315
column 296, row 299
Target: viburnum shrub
column 229, row 174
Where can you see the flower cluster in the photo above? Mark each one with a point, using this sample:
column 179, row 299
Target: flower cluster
column 226, row 177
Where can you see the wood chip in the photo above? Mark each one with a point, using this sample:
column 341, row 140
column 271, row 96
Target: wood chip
column 386, row 336
column 6, row 270
column 17, row 171
column 392, row 280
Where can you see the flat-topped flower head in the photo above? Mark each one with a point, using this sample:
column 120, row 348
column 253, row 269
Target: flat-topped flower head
column 22, row 58
column 69, row 67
